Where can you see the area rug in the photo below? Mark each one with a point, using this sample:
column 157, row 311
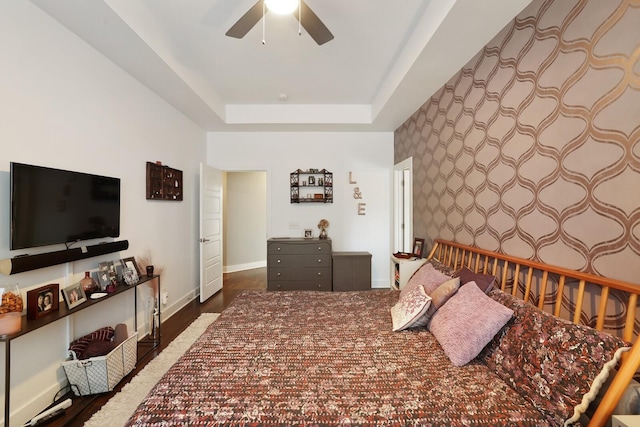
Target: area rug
column 119, row 408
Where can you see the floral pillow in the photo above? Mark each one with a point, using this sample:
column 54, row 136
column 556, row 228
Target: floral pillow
column 410, row 309
column 428, row 277
column 554, row 363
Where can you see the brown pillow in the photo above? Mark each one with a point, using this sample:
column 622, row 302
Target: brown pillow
column 98, row 348
column 120, row 334
column 441, row 295
column 484, row 281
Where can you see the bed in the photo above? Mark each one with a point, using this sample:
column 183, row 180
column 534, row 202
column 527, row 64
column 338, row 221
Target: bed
column 322, row 358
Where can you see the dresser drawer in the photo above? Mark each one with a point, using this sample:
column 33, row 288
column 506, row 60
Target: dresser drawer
column 299, row 285
column 298, row 261
column 299, row 273
column 299, row 247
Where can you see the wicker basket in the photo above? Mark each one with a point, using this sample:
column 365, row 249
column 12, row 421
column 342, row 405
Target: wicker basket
column 101, row 374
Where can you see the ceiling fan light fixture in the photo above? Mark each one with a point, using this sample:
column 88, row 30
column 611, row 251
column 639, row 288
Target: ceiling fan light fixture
column 281, row 7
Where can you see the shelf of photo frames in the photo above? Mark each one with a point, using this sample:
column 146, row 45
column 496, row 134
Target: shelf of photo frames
column 311, row 186
column 30, row 325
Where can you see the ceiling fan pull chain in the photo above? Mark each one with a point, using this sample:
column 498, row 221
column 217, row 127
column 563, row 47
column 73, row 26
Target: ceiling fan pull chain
column 300, row 18
column 264, row 12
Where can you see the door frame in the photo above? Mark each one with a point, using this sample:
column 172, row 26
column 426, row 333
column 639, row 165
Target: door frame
column 403, row 206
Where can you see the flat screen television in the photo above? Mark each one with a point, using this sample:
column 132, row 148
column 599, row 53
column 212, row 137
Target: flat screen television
column 51, row 206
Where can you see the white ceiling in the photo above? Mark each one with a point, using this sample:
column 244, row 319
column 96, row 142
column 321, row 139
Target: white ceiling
column 385, row 61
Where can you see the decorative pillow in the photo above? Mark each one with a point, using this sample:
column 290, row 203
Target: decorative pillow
column 410, row 309
column 97, row 349
column 557, row 365
column 442, row 268
column 467, row 322
column 442, row 295
column 428, row 277
column 78, row 346
column 484, row 281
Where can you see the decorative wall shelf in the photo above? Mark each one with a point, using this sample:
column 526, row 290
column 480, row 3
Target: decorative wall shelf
column 311, row 186
column 163, row 182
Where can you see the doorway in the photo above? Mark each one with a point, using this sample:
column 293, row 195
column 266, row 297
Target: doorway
column 244, row 220
column 403, row 206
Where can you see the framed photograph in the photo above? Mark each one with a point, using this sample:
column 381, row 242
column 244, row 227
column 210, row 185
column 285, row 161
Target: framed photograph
column 312, row 180
column 418, row 247
column 308, row 233
column 74, row 295
column 131, row 263
column 43, row 301
column 106, row 274
column 130, row 276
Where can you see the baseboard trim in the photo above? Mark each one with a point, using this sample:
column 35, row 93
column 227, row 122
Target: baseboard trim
column 242, row 267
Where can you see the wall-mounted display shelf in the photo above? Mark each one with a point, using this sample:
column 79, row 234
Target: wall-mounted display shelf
column 163, row 182
column 311, row 186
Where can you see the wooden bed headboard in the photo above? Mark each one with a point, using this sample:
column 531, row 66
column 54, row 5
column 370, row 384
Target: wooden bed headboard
column 508, row 271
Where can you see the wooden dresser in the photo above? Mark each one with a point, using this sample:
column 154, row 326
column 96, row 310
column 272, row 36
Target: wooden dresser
column 299, row 264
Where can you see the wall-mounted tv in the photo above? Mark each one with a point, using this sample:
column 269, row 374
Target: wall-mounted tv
column 51, row 206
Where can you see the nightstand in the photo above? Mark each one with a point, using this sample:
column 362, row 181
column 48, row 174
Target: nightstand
column 402, row 269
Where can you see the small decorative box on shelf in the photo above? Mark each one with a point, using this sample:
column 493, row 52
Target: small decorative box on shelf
column 311, row 186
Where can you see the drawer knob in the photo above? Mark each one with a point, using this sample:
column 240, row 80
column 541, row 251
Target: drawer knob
column 278, row 261
column 278, row 286
column 319, row 273
column 278, row 274
column 319, row 248
column 278, row 248
column 319, row 261
column 319, row 285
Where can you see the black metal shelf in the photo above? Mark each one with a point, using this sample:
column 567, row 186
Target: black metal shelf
column 30, row 325
column 325, row 189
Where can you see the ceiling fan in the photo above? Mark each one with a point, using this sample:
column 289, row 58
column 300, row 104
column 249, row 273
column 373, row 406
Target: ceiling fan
column 307, row 18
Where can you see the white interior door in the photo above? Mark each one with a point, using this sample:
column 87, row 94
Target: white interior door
column 210, row 231
column 403, row 206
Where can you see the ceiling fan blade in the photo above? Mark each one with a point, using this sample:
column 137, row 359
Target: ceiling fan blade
column 314, row 26
column 247, row 21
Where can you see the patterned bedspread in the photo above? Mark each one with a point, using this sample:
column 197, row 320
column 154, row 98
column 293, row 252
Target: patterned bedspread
column 325, row 358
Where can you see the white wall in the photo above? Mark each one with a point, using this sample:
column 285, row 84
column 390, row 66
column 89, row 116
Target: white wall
column 369, row 156
column 63, row 105
column 245, row 220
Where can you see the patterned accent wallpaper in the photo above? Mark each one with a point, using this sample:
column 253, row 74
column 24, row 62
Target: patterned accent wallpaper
column 533, row 148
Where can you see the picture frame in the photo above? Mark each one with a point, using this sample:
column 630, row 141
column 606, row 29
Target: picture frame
column 308, row 233
column 312, row 180
column 129, row 275
column 418, row 247
column 131, row 263
column 107, row 274
column 43, row 300
column 74, row 295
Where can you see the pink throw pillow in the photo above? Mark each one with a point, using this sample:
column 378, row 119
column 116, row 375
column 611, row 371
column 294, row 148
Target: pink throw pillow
column 426, row 276
column 466, row 323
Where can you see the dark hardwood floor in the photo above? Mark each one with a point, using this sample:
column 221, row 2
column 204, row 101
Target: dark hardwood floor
column 233, row 283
